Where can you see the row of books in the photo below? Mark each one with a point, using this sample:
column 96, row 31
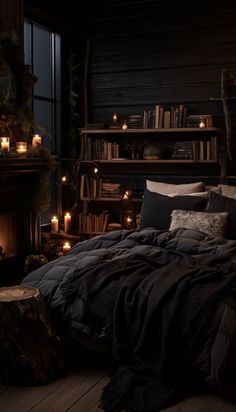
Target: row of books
column 174, row 117
column 196, row 150
column 90, row 222
column 99, row 149
column 93, row 187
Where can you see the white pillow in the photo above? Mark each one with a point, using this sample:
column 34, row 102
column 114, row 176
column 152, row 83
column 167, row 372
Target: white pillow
column 228, row 191
column 201, row 194
column 167, row 188
column 214, row 224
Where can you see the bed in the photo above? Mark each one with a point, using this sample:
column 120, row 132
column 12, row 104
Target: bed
column 162, row 299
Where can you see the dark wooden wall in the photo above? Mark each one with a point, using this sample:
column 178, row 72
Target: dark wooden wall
column 11, row 16
column 164, row 51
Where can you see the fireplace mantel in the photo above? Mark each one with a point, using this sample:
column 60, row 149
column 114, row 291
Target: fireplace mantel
column 19, row 180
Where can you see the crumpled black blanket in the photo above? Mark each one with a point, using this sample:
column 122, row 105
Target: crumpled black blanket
column 167, row 302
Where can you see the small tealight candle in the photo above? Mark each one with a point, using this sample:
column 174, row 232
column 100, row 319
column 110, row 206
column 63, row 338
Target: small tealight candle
column 66, row 247
column 114, row 117
column 67, row 222
column 5, row 144
column 54, row 224
column 202, row 124
column 37, row 141
column 21, row 149
column 124, row 126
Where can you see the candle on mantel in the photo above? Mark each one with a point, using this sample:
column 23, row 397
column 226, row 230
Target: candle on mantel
column 67, row 222
column 21, row 149
column 37, row 141
column 5, row 144
column 124, row 126
column 54, row 224
column 66, row 247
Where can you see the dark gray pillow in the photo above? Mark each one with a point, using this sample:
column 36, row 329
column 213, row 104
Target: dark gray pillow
column 157, row 208
column 220, row 203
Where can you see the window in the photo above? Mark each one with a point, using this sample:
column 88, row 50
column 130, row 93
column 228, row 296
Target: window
column 42, row 50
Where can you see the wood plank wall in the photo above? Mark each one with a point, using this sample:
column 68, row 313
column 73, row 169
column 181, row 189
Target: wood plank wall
column 166, row 52
column 11, row 17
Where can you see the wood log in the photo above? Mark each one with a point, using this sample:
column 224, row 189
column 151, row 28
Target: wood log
column 31, row 353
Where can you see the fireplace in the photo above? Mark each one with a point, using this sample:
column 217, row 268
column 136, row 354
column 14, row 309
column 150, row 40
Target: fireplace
column 19, row 220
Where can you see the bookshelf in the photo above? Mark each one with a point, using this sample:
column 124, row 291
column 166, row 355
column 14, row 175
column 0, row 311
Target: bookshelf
column 108, row 169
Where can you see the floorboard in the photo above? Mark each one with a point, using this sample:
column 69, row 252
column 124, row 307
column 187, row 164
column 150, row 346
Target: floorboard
column 80, row 391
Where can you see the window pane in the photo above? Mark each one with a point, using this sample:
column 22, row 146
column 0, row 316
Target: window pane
column 42, row 61
column 44, row 116
column 27, row 43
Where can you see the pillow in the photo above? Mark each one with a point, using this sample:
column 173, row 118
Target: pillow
column 201, row 194
column 156, row 208
column 228, row 191
column 166, row 188
column 214, row 224
column 220, row 203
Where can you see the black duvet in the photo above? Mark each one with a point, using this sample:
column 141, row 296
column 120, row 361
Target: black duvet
column 164, row 300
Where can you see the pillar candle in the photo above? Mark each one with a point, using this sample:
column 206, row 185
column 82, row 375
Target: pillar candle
column 5, row 144
column 37, row 141
column 66, row 247
column 67, row 222
column 54, row 224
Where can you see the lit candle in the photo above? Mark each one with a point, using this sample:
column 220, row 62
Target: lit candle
column 21, row 149
column 37, row 141
column 124, row 126
column 5, row 144
column 63, row 179
column 114, row 117
column 201, row 123
column 54, row 224
column 66, row 247
column 67, row 222
column 128, row 221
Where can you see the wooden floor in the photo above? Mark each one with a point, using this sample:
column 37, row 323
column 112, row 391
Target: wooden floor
column 80, row 390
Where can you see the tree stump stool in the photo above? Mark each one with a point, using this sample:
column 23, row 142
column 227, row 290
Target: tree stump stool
column 31, row 353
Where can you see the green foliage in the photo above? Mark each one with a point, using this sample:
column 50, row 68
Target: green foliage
column 18, row 81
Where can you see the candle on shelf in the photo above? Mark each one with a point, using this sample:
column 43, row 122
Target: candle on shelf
column 54, row 224
column 21, row 149
column 5, row 144
column 37, row 141
column 128, row 221
column 124, row 126
column 114, row 117
column 67, row 222
column 201, row 123
column 66, row 247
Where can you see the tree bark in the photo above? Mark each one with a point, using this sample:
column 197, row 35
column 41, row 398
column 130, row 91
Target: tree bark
column 31, row 353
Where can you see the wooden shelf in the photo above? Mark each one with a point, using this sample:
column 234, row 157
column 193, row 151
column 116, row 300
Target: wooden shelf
column 111, row 199
column 153, row 161
column 146, row 131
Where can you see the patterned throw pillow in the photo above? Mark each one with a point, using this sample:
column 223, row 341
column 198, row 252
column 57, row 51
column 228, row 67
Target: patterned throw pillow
column 214, row 224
